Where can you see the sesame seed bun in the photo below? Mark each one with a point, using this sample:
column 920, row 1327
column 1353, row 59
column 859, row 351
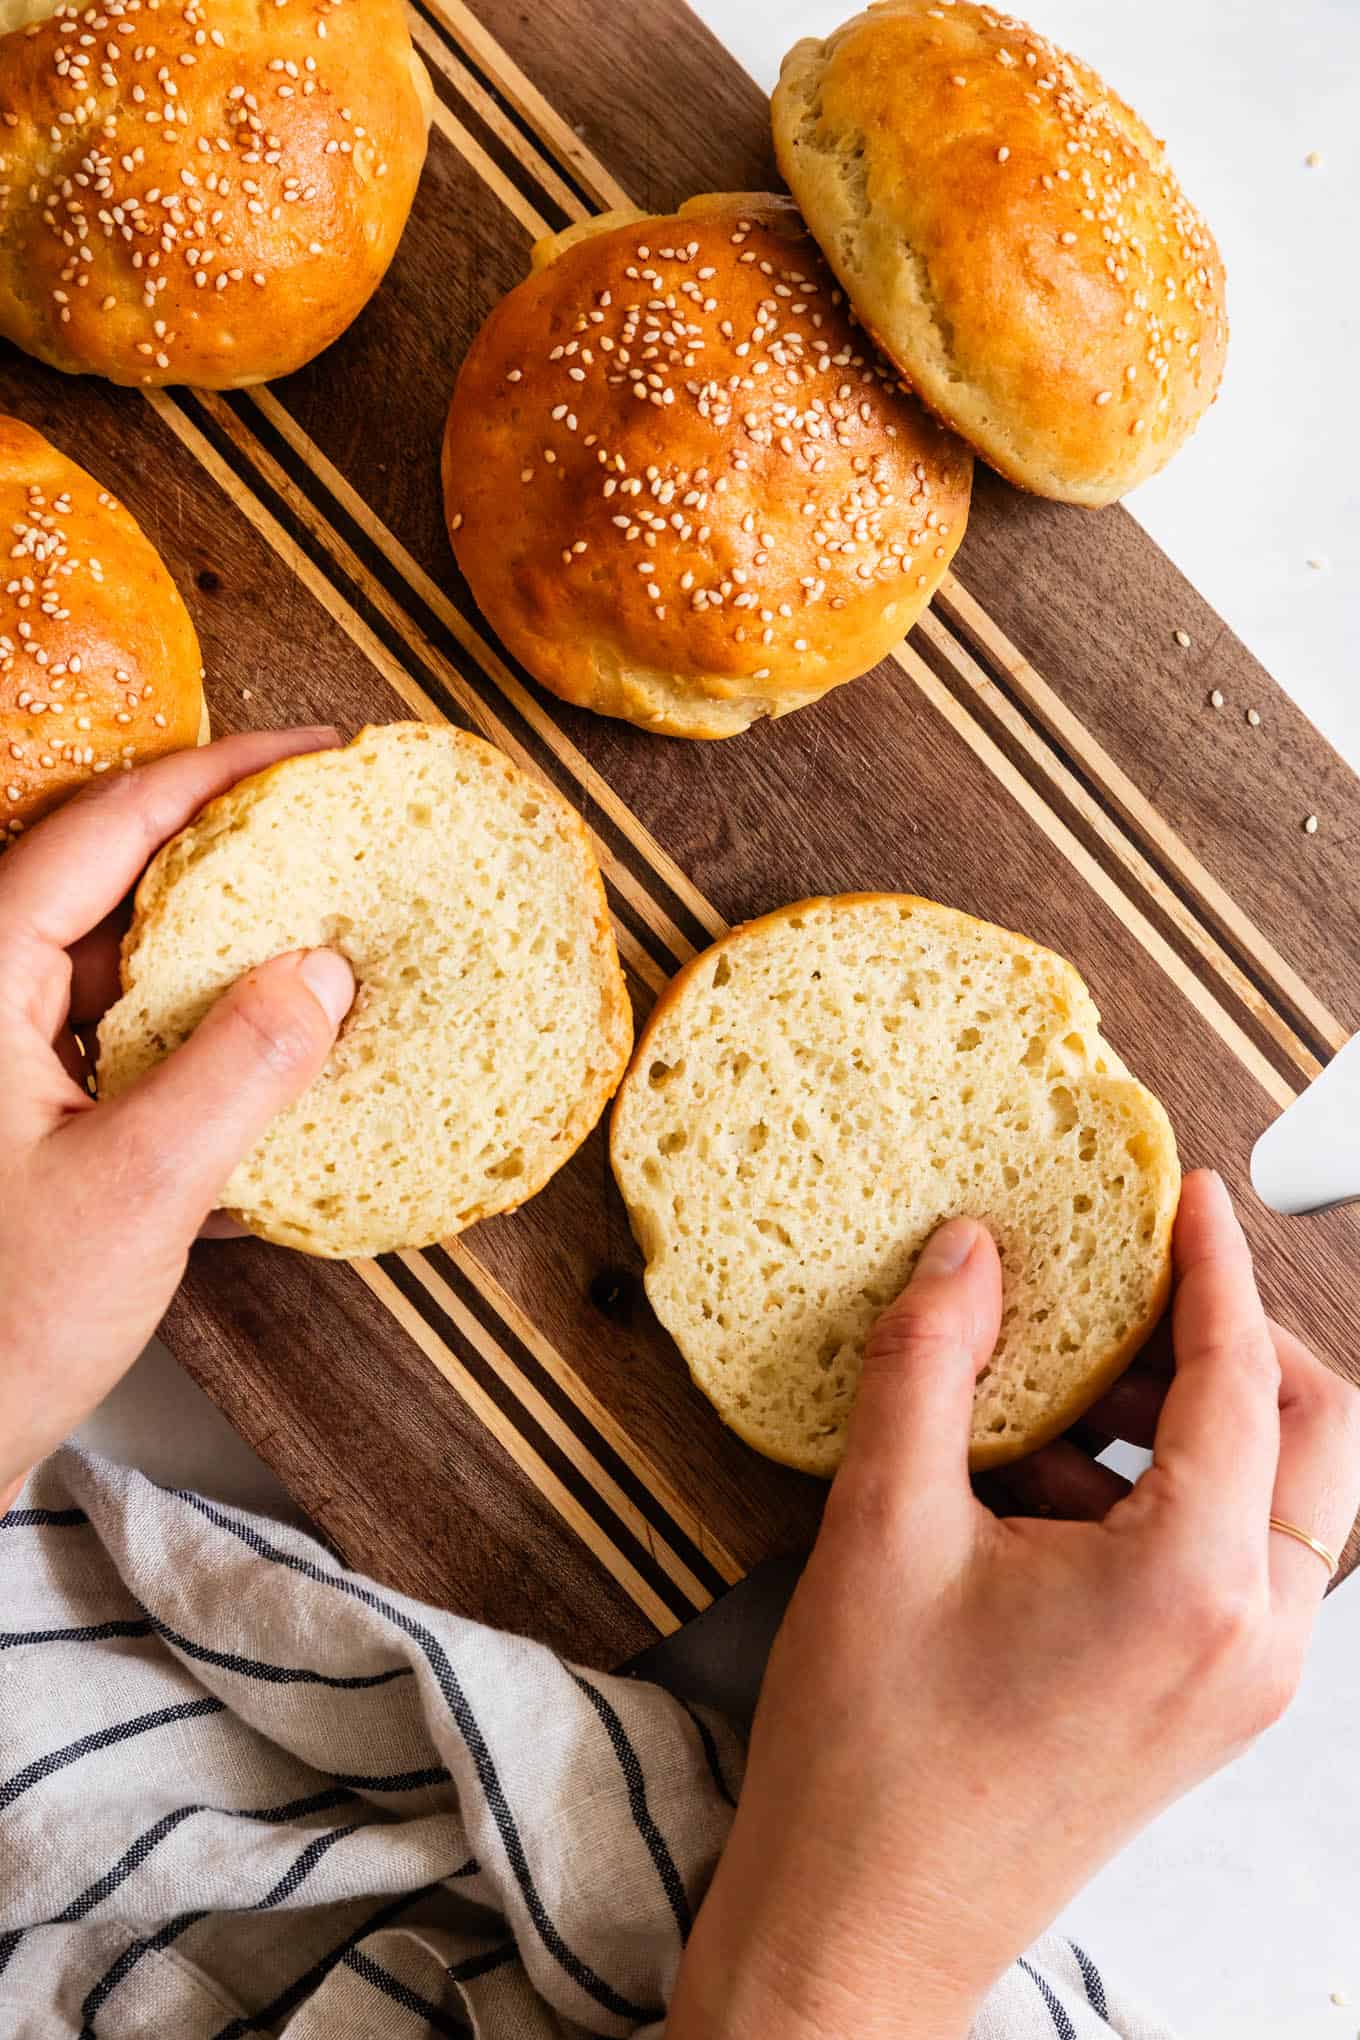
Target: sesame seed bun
column 99, row 665
column 202, row 191
column 682, row 486
column 814, row 1094
column 1014, row 237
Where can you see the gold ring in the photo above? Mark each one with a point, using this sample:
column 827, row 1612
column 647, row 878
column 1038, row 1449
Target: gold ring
column 1302, row 1537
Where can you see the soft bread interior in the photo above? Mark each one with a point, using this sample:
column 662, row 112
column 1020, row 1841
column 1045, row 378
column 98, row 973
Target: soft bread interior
column 490, row 1023
column 817, row 1093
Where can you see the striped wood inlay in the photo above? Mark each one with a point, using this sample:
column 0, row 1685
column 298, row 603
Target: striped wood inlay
column 964, row 612
column 512, row 1441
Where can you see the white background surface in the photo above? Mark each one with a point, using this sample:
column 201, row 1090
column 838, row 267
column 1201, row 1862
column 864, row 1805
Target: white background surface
column 1239, row 1912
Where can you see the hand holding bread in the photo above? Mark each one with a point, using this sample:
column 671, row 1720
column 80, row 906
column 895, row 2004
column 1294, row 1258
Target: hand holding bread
column 101, row 1202
column 965, row 1715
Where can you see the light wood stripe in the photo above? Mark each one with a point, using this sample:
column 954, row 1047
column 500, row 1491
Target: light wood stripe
column 548, row 1420
column 1122, row 847
column 983, row 747
column 520, row 1451
column 367, row 641
column 592, row 783
column 959, row 606
column 962, row 609
column 437, row 53
column 490, row 172
column 652, row 1476
column 547, row 123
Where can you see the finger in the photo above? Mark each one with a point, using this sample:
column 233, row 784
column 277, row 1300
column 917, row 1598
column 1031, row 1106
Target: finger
column 74, row 868
column 1218, row 1440
column 166, row 1147
column 1057, row 1480
column 95, row 984
column 1132, row 1408
column 913, row 1415
column 1317, row 1485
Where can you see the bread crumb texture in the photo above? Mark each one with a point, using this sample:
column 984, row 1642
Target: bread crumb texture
column 491, row 1023
column 816, row 1093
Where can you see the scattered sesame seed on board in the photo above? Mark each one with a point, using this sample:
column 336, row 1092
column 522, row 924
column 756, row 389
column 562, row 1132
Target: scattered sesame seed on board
column 1254, row 718
column 247, row 694
column 1314, row 159
column 1216, row 698
column 1310, row 826
column 1183, row 639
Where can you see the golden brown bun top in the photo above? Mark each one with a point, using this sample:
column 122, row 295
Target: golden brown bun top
column 99, row 664
column 1014, row 236
column 672, row 446
column 202, row 191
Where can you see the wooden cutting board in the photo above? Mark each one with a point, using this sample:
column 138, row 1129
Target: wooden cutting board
column 499, row 1424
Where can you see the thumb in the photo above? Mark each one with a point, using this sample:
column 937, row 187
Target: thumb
column 912, row 1418
column 177, row 1134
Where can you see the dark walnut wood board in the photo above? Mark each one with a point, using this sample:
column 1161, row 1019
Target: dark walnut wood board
column 499, row 1424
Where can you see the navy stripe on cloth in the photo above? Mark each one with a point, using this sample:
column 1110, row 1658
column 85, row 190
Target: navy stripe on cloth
column 275, row 1675
column 100, row 1739
column 402, row 1994
column 223, row 1660
column 292, row 1996
column 1091, row 1980
column 710, row 1749
column 150, row 1944
column 437, row 1657
column 92, row 1632
column 43, row 1519
column 1062, row 2022
column 393, row 1781
column 133, row 1857
column 299, row 1871
column 671, row 1881
column 473, row 1966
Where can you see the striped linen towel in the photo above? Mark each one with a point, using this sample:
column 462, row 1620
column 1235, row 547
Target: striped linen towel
column 244, row 1791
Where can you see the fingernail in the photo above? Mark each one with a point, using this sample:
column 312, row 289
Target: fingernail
column 330, row 981
column 945, row 1252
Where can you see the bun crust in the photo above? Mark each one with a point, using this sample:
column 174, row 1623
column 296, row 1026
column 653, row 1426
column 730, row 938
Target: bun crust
column 816, row 1092
column 490, row 1024
column 99, row 665
column 1013, row 236
column 202, row 191
column 681, row 486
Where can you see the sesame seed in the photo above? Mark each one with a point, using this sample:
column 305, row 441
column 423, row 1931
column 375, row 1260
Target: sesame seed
column 1216, row 698
column 1254, row 718
column 1104, row 396
column 1003, row 154
column 1314, row 159
column 1183, row 639
column 1310, row 826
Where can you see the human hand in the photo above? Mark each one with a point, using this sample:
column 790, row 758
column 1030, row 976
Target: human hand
column 99, row 1203
column 965, row 1715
